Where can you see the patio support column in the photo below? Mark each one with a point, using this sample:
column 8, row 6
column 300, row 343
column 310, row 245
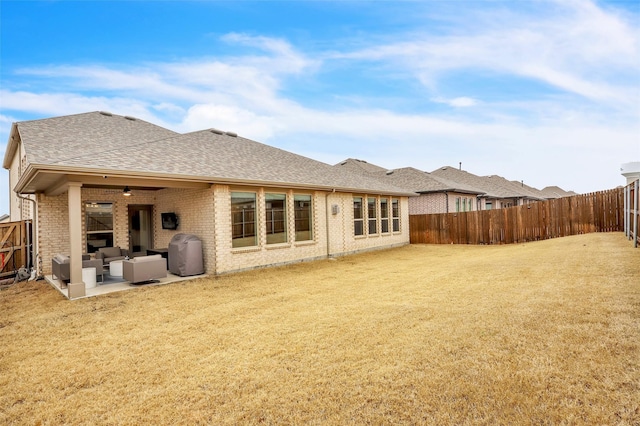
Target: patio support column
column 76, row 285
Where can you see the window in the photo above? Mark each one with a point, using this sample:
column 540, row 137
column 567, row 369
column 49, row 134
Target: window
column 384, row 215
column 276, row 218
column 372, row 214
column 457, row 204
column 303, row 217
column 395, row 211
column 358, row 219
column 243, row 219
column 99, row 225
column 488, row 205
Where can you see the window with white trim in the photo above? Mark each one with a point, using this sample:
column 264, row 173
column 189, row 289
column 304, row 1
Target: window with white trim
column 395, row 211
column 384, row 215
column 358, row 217
column 303, row 212
column 372, row 215
column 243, row 219
column 275, row 209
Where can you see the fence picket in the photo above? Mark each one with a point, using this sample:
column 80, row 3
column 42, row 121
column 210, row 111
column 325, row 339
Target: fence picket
column 595, row 212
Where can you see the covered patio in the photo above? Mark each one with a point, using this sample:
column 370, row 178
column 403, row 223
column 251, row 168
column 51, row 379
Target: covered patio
column 105, row 288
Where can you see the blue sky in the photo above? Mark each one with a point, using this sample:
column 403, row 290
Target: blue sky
column 547, row 92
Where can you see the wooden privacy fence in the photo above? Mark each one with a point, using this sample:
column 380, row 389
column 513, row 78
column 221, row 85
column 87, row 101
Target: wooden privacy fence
column 15, row 251
column 579, row 214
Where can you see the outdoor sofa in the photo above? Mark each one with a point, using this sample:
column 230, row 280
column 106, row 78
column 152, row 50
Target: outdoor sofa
column 110, row 254
column 144, row 268
column 61, row 267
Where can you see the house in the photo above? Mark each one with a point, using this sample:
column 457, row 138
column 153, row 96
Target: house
column 99, row 179
column 498, row 191
column 433, row 194
column 553, row 192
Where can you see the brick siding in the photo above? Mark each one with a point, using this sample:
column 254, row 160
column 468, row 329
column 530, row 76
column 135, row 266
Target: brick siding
column 206, row 213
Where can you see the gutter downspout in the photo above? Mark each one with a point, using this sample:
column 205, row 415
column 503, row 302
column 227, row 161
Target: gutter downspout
column 327, row 213
column 34, row 228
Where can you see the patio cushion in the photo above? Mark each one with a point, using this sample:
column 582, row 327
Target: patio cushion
column 143, row 259
column 61, row 258
column 110, row 251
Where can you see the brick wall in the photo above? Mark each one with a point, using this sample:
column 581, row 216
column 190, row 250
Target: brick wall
column 340, row 231
column 235, row 259
column 53, row 219
column 428, row 204
column 195, row 210
column 206, row 213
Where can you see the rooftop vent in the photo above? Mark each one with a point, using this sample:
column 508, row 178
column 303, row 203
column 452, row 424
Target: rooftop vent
column 390, row 172
column 128, row 117
column 217, row 132
column 108, row 114
column 343, row 163
column 232, row 134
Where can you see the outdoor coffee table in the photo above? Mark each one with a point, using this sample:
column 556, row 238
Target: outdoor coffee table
column 115, row 268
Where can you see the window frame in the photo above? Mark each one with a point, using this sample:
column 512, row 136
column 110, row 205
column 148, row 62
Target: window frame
column 109, row 233
column 298, row 210
column 358, row 220
column 384, row 215
column 237, row 242
column 372, row 217
column 395, row 214
column 276, row 227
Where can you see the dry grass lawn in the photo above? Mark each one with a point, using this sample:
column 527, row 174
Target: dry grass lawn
column 538, row 333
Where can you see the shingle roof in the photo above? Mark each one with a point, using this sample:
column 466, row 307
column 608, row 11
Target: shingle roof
column 531, row 189
column 556, row 192
column 493, row 186
column 360, row 166
column 56, row 140
column 424, row 182
column 115, row 143
column 410, row 178
column 510, row 187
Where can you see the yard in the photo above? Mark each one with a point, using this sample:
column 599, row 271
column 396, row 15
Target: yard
column 537, row 333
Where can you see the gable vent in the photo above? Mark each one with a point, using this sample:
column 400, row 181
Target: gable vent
column 217, row 132
column 128, row 117
column 108, row 114
column 232, row 134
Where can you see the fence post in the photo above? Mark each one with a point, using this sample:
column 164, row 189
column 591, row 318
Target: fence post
column 636, row 197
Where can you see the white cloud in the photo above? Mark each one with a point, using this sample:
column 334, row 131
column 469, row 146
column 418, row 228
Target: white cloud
column 229, row 118
column 249, row 94
column 574, row 46
column 459, row 102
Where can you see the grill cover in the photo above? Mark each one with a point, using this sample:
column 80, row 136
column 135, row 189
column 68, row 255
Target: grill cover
column 185, row 255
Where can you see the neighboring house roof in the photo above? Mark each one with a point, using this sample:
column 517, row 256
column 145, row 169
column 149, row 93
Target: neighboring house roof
column 492, row 186
column 424, row 182
column 531, row 189
column 100, row 143
column 4, row 218
column 360, row 167
column 410, row 178
column 510, row 187
column 556, row 192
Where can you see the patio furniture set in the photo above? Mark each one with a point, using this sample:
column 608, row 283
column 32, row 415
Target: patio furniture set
column 137, row 269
